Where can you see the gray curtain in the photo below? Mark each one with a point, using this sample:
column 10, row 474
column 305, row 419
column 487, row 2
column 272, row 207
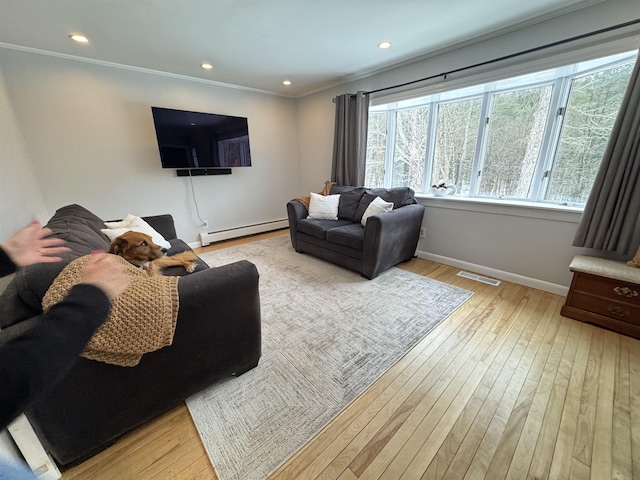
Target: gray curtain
column 350, row 139
column 612, row 211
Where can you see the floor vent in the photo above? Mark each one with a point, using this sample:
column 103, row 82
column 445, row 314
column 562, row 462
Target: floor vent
column 479, row 278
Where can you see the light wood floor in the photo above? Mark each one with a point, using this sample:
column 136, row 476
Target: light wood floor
column 503, row 388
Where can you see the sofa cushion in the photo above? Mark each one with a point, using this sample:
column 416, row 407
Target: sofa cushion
column 399, row 196
column 137, row 224
column 163, row 224
column 366, row 199
column 80, row 229
column 349, row 235
column 377, row 205
column 340, row 189
column 349, row 202
column 75, row 215
column 323, row 207
column 318, row 228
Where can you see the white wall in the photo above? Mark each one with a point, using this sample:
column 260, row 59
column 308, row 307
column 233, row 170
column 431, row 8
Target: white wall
column 89, row 134
column 20, row 197
column 524, row 245
column 536, row 247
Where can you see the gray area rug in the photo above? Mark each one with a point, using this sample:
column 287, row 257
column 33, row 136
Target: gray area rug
column 328, row 334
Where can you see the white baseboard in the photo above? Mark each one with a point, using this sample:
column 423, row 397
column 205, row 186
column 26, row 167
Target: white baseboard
column 208, row 238
column 34, row 453
column 499, row 274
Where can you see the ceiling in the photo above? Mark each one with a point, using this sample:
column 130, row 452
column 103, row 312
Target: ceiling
column 259, row 43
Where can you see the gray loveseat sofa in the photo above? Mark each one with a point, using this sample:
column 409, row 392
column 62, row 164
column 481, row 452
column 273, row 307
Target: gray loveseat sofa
column 218, row 334
column 387, row 239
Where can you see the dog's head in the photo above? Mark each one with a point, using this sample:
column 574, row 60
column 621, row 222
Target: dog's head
column 135, row 247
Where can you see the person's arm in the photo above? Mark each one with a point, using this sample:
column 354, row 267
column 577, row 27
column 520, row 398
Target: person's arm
column 6, row 264
column 29, row 245
column 35, row 360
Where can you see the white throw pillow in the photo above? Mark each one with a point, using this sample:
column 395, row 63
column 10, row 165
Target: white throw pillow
column 323, row 207
column 377, row 205
column 137, row 224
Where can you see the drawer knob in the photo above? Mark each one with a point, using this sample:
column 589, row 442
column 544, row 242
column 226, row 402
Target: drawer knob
column 619, row 311
column 625, row 292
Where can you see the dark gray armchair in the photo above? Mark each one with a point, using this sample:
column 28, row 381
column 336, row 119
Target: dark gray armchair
column 386, row 240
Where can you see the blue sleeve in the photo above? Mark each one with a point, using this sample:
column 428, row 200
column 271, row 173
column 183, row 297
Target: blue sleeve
column 15, row 471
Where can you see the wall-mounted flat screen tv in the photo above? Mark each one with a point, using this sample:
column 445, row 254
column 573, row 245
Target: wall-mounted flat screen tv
column 201, row 140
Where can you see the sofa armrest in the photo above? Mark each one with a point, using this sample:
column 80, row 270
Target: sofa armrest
column 295, row 211
column 223, row 302
column 163, row 224
column 391, row 238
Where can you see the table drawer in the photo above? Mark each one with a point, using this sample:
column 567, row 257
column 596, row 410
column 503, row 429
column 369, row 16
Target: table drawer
column 624, row 312
column 609, row 288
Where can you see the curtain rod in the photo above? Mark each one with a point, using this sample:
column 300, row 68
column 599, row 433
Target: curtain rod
column 513, row 55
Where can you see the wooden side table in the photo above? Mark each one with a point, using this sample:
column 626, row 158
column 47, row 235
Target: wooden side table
column 605, row 293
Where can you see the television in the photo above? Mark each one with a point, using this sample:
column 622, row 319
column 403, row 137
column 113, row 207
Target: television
column 193, row 140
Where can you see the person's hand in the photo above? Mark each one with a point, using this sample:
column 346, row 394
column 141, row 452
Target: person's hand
column 107, row 273
column 29, row 245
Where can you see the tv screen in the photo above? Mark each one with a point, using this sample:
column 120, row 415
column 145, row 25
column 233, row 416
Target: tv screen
column 201, row 140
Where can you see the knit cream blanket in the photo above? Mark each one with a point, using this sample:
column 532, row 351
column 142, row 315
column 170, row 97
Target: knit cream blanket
column 142, row 319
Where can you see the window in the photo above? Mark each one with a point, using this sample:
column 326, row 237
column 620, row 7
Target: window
column 538, row 137
column 376, row 148
column 456, row 140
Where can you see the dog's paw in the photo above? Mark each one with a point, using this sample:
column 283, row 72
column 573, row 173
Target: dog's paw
column 191, row 268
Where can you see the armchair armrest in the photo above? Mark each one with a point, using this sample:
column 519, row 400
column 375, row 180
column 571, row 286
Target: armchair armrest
column 391, row 238
column 295, row 211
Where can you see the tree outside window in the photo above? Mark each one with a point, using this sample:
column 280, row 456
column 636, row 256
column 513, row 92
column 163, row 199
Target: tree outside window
column 538, row 137
column 456, row 141
column 376, row 148
column 591, row 111
column 410, row 147
column 516, row 126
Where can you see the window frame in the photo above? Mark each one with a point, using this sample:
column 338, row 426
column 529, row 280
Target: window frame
column 561, row 88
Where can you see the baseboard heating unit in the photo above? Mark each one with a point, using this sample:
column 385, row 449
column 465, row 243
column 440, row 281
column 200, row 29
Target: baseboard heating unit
column 479, row 278
column 212, row 237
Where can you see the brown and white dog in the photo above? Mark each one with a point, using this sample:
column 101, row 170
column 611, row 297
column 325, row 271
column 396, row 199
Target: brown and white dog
column 138, row 249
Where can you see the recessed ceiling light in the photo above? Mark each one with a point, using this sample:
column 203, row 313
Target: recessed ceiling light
column 76, row 37
column 206, row 66
column 287, row 82
column 384, row 45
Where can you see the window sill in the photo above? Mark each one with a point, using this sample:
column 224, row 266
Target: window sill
column 503, row 207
